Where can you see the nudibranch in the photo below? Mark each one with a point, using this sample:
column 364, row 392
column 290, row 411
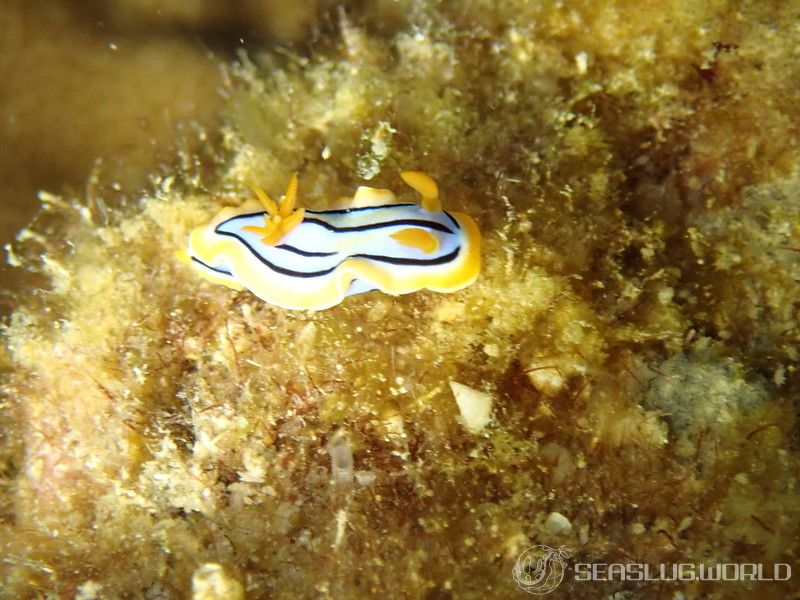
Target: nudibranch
column 298, row 258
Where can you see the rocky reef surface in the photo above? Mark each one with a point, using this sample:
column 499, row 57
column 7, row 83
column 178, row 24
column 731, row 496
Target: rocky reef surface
column 621, row 380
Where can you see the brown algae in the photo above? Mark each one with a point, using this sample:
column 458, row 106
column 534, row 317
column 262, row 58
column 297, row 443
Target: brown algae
column 621, row 380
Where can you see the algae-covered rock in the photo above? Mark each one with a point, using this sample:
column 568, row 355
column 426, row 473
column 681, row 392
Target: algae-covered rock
column 626, row 363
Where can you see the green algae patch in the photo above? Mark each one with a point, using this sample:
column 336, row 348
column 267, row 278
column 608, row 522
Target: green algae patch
column 629, row 349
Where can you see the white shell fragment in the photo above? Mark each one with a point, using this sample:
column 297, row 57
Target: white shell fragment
column 211, row 582
column 341, row 454
column 557, row 524
column 475, row 406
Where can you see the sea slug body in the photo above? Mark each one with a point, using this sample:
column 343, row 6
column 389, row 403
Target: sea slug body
column 299, row 258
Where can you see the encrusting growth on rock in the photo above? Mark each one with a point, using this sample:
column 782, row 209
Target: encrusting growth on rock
column 613, row 374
